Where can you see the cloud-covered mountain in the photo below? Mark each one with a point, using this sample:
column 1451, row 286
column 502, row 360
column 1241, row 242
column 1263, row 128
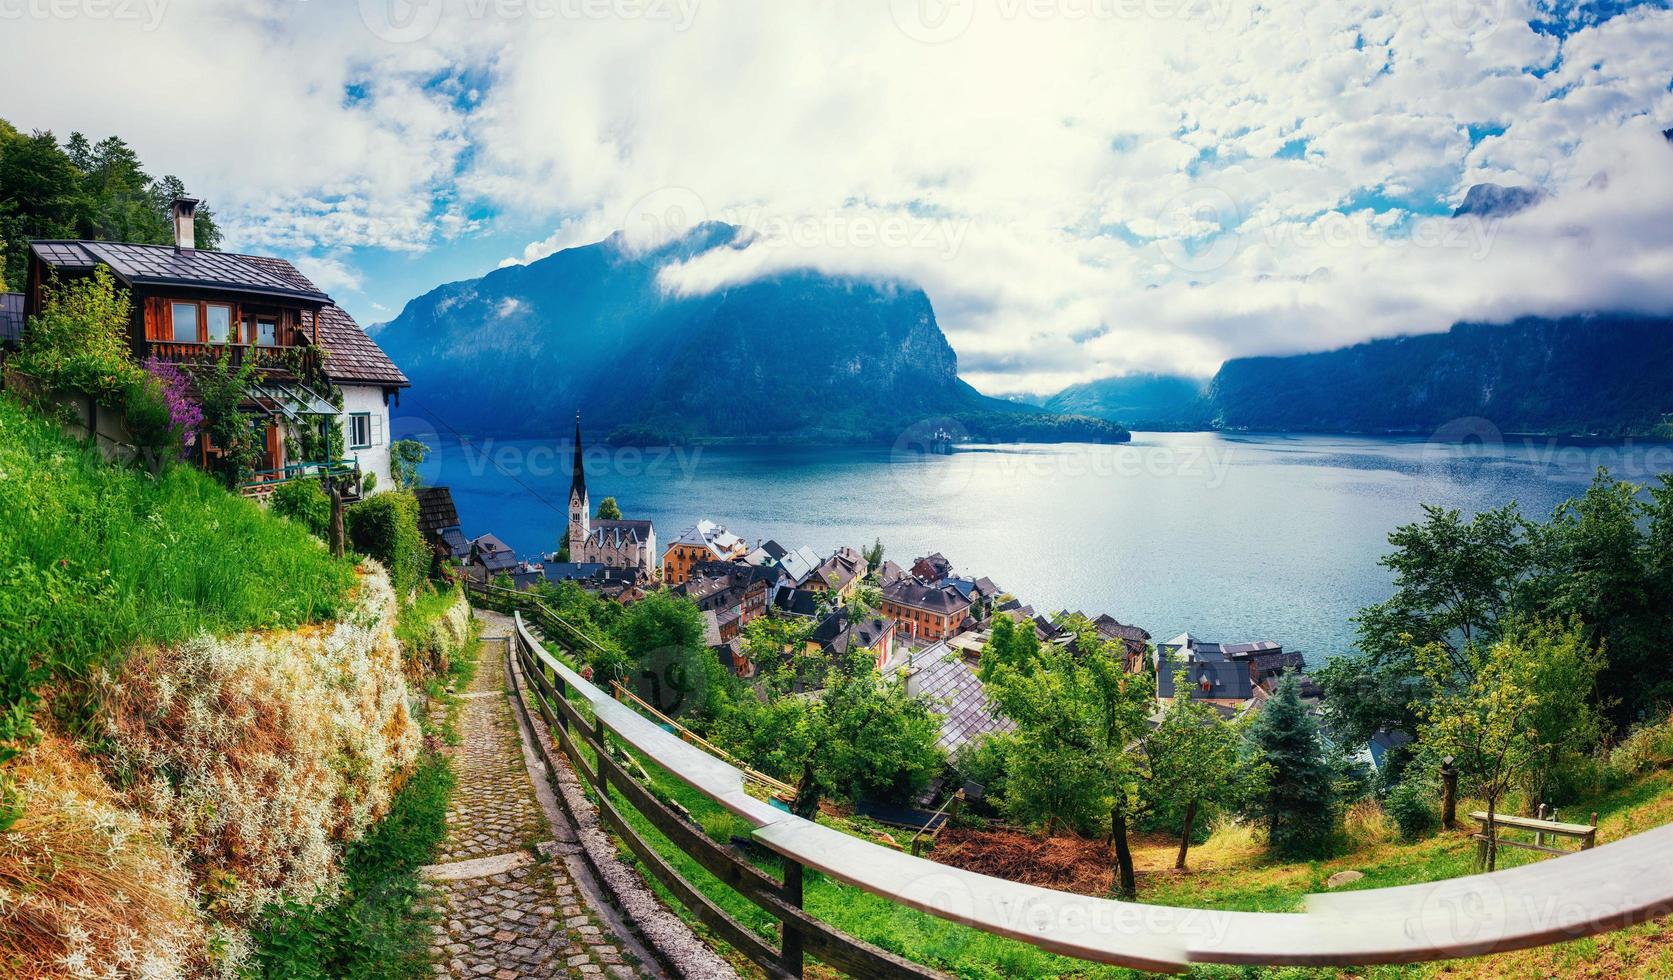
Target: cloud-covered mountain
column 1141, row 401
column 596, row 329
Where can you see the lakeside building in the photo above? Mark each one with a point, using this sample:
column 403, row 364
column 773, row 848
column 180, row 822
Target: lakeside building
column 926, row 612
column 840, row 634
column 193, row 308
column 596, row 541
column 704, row 541
column 1226, row 675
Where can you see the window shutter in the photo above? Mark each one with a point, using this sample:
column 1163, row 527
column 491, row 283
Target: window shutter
column 377, row 429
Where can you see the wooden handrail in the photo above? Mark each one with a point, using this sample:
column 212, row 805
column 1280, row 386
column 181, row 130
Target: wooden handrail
column 783, row 790
column 1598, row 890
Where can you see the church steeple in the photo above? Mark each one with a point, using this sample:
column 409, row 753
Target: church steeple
column 580, row 508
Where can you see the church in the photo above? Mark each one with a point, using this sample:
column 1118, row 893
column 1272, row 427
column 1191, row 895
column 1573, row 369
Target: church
column 613, row 544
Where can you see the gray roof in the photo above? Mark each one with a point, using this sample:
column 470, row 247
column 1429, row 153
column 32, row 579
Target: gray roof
column 11, row 316
column 1226, row 680
column 909, row 592
column 165, row 265
column 619, row 533
column 949, row 682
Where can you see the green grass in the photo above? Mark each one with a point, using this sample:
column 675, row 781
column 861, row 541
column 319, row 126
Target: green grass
column 95, row 558
column 373, row 929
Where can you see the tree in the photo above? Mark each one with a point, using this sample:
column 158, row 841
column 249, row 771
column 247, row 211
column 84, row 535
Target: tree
column 1489, row 720
column 79, row 340
column 874, row 555
column 663, row 634
column 775, row 644
column 608, row 511
column 1603, row 559
column 1079, row 717
column 405, row 457
column 1194, row 764
column 864, row 601
column 860, row 736
column 1297, row 803
column 1453, row 584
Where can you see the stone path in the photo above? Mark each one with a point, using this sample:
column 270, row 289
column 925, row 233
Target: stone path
column 506, row 905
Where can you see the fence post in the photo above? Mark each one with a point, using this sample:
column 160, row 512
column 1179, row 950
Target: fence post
column 790, row 939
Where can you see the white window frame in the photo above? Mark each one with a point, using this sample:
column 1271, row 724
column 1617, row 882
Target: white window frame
column 354, row 419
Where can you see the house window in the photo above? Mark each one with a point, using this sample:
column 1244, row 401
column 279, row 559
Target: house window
column 185, row 317
column 217, row 322
column 261, row 330
column 360, row 430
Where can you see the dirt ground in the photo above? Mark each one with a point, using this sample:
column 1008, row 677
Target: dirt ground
column 1065, row 862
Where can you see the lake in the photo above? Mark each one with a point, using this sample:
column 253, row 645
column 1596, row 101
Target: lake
column 1232, row 537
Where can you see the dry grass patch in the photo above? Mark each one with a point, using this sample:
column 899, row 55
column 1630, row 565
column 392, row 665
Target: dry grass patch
column 88, row 888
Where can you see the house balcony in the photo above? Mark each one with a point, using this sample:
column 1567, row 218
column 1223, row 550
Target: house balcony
column 262, row 483
column 280, row 362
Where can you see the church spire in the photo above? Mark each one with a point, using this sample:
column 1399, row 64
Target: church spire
column 578, row 481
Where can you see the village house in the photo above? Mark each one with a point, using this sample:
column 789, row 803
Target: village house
column 612, row 543
column 737, row 594
column 839, row 574
column 702, row 542
column 926, row 612
column 438, row 521
column 193, row 307
column 946, row 677
column 1225, row 675
column 840, row 634
column 932, row 568
column 490, row 557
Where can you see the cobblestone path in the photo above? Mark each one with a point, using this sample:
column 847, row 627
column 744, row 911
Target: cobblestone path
column 504, row 902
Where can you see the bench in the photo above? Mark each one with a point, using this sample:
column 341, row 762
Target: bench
column 1541, row 827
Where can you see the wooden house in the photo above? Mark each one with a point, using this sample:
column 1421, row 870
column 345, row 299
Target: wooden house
column 194, row 307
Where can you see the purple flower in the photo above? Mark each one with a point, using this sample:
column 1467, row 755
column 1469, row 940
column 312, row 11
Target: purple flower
column 185, row 415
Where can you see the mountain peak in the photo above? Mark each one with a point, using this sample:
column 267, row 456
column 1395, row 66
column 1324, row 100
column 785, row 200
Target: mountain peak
column 1498, row 201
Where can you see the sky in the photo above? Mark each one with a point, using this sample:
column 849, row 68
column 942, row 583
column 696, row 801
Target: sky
column 1085, row 188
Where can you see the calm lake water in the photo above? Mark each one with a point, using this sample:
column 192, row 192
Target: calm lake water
column 1233, row 537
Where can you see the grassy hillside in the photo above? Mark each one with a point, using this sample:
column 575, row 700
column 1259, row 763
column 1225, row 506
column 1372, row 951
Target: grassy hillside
column 96, row 558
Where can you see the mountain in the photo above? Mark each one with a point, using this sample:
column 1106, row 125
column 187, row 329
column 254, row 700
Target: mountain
column 1141, row 401
column 1601, row 375
column 1497, row 201
column 797, row 355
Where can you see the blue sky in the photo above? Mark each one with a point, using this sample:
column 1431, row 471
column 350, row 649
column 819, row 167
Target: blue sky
column 1084, row 187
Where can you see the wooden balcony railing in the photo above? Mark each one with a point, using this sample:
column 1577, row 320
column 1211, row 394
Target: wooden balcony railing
column 1608, row 887
column 281, row 359
column 263, row 482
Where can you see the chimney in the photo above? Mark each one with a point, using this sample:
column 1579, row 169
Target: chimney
column 185, row 212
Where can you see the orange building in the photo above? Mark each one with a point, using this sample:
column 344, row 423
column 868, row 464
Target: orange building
column 925, row 612
column 704, row 541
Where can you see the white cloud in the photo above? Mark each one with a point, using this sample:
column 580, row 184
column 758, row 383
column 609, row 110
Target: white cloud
column 1059, row 178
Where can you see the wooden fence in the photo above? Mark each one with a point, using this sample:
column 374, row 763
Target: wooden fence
column 1604, row 888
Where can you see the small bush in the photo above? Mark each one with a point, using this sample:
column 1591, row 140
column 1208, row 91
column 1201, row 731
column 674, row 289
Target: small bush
column 432, row 630
column 1647, row 749
column 79, row 342
column 306, row 503
column 1412, row 809
column 385, row 527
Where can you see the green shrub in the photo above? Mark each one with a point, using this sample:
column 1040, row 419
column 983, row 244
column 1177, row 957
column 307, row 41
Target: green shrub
column 385, row 527
column 432, row 630
column 372, row 929
column 96, row 558
column 1410, row 806
column 306, row 503
column 1647, row 749
column 79, row 341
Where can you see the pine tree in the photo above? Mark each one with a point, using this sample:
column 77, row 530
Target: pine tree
column 1298, row 804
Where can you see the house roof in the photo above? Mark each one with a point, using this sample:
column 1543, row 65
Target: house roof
column 942, row 601
column 944, row 677
column 797, row 602
column 165, row 265
column 800, row 563
column 1225, row 680
column 889, row 571
column 492, row 553
column 454, row 538
column 435, row 509
column 355, row 356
